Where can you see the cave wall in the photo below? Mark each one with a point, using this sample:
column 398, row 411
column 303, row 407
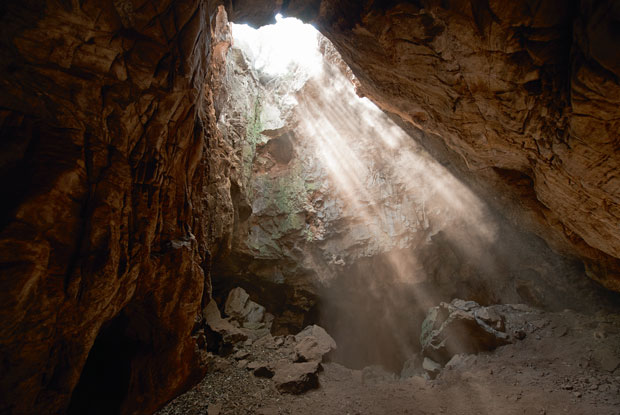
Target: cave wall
column 103, row 217
column 102, row 118
column 342, row 218
column 523, row 95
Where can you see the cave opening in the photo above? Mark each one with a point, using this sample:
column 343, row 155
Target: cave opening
column 344, row 219
column 104, row 381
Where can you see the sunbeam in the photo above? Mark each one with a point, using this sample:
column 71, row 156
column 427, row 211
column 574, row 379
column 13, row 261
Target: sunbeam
column 395, row 196
column 352, row 211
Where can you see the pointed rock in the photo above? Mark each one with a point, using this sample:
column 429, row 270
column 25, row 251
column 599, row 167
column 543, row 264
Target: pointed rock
column 313, row 344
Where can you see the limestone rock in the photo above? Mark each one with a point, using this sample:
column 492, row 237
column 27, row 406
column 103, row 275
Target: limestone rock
column 547, row 146
column 229, row 333
column 102, row 234
column 112, row 213
column 236, row 303
column 411, row 367
column 296, row 227
column 296, row 378
column 431, row 367
column 454, row 328
column 313, row 344
column 457, row 360
column 239, row 307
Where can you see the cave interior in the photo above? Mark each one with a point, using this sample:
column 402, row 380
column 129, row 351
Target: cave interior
column 376, row 207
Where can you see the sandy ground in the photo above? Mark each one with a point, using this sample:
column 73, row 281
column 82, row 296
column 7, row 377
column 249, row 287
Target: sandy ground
column 567, row 364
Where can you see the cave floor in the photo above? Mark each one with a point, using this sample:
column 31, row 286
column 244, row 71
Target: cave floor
column 568, row 363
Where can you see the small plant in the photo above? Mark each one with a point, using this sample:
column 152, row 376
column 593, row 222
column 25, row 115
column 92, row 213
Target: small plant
column 255, row 125
column 308, row 234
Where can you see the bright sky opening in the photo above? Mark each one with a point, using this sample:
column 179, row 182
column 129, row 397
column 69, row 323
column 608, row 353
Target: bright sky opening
column 281, row 46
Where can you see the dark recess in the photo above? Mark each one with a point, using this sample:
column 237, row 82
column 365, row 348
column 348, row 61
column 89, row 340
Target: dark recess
column 104, row 382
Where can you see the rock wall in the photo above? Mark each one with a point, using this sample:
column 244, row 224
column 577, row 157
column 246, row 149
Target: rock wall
column 110, row 216
column 103, row 230
column 523, row 96
column 340, row 216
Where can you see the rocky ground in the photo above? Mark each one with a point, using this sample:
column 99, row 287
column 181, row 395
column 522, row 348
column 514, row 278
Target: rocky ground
column 555, row 363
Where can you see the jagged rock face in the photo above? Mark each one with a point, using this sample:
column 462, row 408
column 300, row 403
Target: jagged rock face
column 525, row 94
column 110, row 212
column 337, row 209
column 102, row 245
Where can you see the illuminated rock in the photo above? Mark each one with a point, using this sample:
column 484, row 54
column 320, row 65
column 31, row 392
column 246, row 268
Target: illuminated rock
column 313, row 344
column 461, row 327
column 113, row 217
column 296, row 378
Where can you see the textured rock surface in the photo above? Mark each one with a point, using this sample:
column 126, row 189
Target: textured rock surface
column 229, row 335
column 461, row 327
column 241, row 308
column 297, row 377
column 111, row 215
column 101, row 246
column 313, row 344
column 333, row 201
column 524, row 94
column 431, row 368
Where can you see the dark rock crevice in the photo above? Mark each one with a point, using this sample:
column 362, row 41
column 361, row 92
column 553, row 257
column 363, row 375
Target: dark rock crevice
column 104, row 381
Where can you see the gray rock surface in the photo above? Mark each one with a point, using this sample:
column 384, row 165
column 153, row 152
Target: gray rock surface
column 431, row 368
column 296, row 378
column 313, row 344
column 411, row 367
column 461, row 327
column 245, row 311
column 229, row 333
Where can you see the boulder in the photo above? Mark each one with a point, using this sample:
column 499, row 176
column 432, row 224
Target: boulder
column 461, row 327
column 431, row 367
column 412, row 367
column 240, row 308
column 296, row 378
column 229, row 333
column 313, row 344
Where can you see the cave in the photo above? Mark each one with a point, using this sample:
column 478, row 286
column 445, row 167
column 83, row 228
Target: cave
column 392, row 207
column 104, row 381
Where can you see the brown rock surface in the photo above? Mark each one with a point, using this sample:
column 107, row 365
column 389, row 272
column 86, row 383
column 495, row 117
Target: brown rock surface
column 111, row 214
column 460, row 327
column 542, row 373
column 102, row 139
column 360, row 216
column 313, row 344
column 525, row 95
column 297, row 378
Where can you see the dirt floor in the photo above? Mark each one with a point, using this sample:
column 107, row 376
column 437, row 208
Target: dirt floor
column 567, row 363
